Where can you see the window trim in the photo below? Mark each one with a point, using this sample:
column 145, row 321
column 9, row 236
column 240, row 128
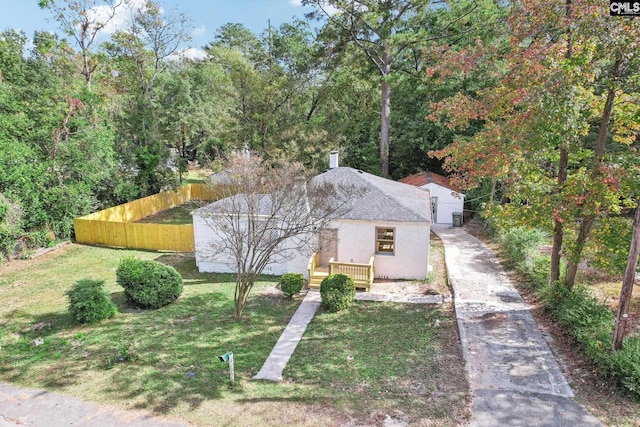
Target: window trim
column 380, row 239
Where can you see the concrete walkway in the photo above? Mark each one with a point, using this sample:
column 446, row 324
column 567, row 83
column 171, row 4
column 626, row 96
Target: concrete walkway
column 513, row 375
column 288, row 341
column 30, row 407
column 291, row 336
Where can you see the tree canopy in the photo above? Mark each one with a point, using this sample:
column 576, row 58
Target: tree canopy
column 535, row 103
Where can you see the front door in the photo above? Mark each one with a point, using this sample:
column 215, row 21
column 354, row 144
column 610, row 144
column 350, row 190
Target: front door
column 328, row 246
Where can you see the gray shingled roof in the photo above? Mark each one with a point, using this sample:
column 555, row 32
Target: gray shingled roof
column 382, row 199
column 232, row 203
column 375, row 198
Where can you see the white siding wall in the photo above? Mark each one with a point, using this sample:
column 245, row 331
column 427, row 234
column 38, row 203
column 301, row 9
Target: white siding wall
column 356, row 243
column 210, row 263
column 448, row 202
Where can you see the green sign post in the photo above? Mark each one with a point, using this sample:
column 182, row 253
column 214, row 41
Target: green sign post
column 228, row 357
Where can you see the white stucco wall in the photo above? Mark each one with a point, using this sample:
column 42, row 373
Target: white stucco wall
column 208, row 262
column 448, row 202
column 356, row 243
column 357, row 240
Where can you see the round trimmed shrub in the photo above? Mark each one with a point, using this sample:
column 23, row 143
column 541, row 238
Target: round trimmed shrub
column 89, row 302
column 291, row 284
column 149, row 284
column 337, row 292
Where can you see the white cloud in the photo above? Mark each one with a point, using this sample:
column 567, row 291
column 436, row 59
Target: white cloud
column 122, row 18
column 199, row 31
column 192, row 53
column 28, row 46
column 329, row 9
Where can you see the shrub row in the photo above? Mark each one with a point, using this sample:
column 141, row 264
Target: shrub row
column 148, row 284
column 591, row 324
column 336, row 291
column 520, row 244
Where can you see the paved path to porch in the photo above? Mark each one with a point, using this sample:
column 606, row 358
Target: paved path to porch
column 288, row 341
column 291, row 336
column 513, row 376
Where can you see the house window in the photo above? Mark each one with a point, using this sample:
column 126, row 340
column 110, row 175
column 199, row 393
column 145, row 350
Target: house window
column 385, row 240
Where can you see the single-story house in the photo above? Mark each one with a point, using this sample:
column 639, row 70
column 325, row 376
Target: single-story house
column 384, row 232
column 445, row 200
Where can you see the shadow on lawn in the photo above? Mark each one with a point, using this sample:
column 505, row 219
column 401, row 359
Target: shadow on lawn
column 31, row 348
column 174, row 361
column 185, row 264
column 150, row 359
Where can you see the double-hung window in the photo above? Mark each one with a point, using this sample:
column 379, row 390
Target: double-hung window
column 385, row 240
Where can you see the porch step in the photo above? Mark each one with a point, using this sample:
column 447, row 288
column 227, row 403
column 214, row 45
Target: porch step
column 317, row 278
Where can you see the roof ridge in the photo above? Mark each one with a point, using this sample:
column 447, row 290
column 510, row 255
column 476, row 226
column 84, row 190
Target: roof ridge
column 398, row 202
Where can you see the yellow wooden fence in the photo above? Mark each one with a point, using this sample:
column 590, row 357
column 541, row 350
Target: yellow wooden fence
column 116, row 226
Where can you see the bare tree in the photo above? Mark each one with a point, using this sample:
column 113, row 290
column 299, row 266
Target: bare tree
column 271, row 215
column 83, row 20
column 150, row 39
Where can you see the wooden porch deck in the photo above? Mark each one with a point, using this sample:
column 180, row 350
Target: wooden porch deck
column 361, row 274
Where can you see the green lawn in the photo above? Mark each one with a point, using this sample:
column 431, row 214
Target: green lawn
column 177, row 216
column 373, row 359
column 196, row 176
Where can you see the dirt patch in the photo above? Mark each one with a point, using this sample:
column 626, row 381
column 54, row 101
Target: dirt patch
column 25, row 264
column 437, row 282
column 400, row 287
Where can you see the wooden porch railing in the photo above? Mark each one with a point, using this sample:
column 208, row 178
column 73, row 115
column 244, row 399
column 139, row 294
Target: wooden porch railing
column 362, row 274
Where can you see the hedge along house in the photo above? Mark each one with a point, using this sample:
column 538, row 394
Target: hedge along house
column 383, row 233
column 445, row 200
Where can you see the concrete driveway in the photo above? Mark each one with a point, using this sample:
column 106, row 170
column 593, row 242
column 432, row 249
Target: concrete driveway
column 514, row 377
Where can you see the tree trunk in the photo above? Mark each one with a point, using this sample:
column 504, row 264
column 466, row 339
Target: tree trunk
column 385, row 114
column 574, row 260
column 558, row 229
column 563, row 164
column 242, row 291
column 494, row 181
column 244, row 283
column 627, row 284
column 86, row 67
column 587, row 221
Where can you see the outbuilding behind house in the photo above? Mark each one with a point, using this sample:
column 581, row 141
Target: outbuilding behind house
column 445, row 200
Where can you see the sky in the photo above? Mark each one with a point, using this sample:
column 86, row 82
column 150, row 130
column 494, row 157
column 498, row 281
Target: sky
column 206, row 15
